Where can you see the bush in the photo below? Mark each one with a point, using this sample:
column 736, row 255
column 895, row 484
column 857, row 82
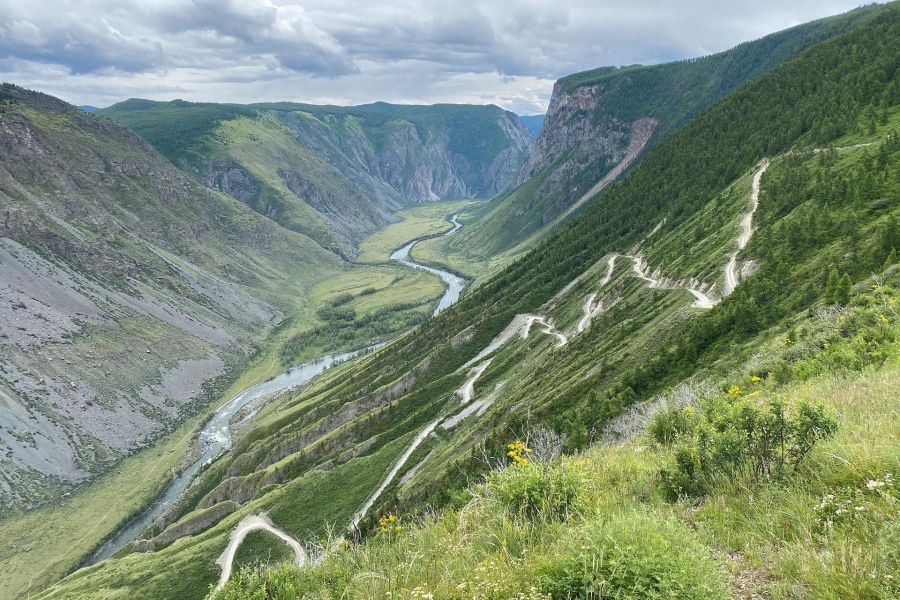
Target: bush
column 329, row 313
column 283, row 581
column 733, row 435
column 670, row 424
column 636, row 557
column 341, row 299
column 536, row 491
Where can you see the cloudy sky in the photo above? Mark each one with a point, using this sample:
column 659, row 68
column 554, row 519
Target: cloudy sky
column 506, row 52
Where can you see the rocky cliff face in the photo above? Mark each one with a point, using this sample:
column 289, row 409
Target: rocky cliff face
column 422, row 167
column 581, row 145
column 580, row 138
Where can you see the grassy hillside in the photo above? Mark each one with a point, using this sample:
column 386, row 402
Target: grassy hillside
column 603, row 522
column 131, row 296
column 131, row 289
column 518, row 352
column 592, row 119
column 335, row 173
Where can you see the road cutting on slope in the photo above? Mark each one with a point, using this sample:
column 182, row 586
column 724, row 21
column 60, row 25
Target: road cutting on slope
column 248, row 524
column 520, row 324
column 732, row 277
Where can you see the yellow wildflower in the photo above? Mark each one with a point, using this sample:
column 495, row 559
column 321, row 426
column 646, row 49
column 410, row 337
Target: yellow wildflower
column 518, row 452
column 390, row 524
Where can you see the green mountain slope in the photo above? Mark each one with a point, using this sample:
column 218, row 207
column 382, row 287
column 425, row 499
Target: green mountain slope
column 571, row 336
column 600, row 121
column 335, row 173
column 130, row 293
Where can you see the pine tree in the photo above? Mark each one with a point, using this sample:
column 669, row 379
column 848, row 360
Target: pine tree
column 842, row 293
column 832, row 285
column 891, row 259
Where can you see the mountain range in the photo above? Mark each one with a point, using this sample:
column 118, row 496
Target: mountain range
column 335, row 173
column 682, row 252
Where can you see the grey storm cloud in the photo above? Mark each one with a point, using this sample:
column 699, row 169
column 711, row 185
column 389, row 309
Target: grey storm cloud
column 83, row 45
column 136, row 37
column 507, row 52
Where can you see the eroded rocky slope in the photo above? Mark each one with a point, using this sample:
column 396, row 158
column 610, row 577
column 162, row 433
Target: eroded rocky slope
column 128, row 292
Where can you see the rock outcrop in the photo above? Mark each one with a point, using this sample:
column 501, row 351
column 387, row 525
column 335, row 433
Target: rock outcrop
column 580, row 138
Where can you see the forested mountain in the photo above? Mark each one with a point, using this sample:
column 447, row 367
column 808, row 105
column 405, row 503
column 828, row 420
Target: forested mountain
column 129, row 292
column 788, row 186
column 335, row 173
column 600, row 121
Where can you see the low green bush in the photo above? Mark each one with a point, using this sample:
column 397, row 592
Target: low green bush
column 632, row 556
column 341, row 299
column 282, row 581
column 330, row 313
column 731, row 435
column 670, row 424
column 536, row 491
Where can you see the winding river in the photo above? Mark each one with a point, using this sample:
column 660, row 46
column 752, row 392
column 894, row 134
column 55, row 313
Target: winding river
column 214, row 439
column 454, row 283
column 215, row 436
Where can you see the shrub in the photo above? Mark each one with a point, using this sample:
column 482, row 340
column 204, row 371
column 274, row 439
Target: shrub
column 328, row 313
column 536, row 491
column 632, row 556
column 262, row 584
column 731, row 435
column 341, row 299
column 670, row 424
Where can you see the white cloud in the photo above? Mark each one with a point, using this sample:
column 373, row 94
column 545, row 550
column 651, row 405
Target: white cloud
column 506, row 52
